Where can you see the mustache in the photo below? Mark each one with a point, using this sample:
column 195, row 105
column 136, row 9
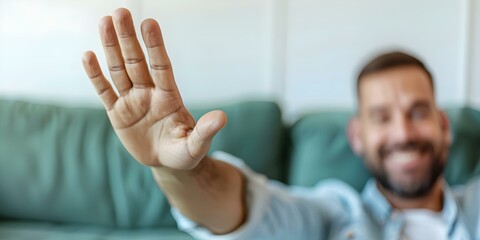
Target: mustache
column 421, row 146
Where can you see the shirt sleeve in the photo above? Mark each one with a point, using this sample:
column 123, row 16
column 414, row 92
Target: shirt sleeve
column 274, row 210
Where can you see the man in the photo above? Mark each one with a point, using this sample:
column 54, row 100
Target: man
column 399, row 131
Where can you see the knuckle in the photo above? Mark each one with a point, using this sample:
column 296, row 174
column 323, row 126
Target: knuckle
column 160, row 67
column 134, row 60
column 116, row 68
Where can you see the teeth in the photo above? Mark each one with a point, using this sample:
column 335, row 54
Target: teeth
column 404, row 157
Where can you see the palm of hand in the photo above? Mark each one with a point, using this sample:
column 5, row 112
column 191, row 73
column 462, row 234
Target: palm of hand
column 148, row 115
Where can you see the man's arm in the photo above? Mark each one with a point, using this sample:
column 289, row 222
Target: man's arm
column 276, row 211
column 151, row 121
column 211, row 194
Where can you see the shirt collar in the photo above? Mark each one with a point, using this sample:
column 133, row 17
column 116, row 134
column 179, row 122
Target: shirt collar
column 380, row 209
column 450, row 208
column 375, row 203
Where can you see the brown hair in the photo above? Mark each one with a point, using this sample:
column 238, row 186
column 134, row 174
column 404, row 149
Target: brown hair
column 388, row 61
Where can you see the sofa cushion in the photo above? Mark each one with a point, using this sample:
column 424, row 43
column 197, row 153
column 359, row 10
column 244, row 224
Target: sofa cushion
column 320, row 149
column 66, row 165
column 42, row 230
column 254, row 133
column 464, row 156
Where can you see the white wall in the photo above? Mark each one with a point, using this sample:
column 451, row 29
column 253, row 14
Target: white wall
column 328, row 42
column 41, row 43
column 219, row 48
column 473, row 54
column 303, row 53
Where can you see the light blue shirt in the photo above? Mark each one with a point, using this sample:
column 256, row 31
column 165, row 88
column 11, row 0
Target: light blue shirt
column 333, row 210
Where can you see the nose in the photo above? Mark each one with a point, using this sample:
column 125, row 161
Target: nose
column 402, row 130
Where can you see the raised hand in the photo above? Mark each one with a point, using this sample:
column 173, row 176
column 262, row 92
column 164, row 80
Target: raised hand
column 148, row 114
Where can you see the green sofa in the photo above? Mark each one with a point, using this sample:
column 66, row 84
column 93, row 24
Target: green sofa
column 65, row 175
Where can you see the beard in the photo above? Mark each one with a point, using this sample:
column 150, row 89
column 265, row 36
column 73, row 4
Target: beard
column 425, row 184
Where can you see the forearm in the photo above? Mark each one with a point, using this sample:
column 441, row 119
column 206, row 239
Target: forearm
column 212, row 194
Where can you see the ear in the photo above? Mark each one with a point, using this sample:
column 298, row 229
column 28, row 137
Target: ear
column 445, row 125
column 354, row 136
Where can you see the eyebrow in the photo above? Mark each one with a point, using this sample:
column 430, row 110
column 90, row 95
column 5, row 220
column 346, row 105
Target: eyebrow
column 421, row 104
column 417, row 104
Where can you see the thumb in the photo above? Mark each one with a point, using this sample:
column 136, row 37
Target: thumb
column 206, row 128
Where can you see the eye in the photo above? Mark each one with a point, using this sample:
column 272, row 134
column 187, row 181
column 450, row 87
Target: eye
column 380, row 118
column 419, row 113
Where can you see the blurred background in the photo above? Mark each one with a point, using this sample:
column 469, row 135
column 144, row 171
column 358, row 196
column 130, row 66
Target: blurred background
column 304, row 54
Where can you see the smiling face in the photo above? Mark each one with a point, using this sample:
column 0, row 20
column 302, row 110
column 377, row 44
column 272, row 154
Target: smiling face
column 399, row 131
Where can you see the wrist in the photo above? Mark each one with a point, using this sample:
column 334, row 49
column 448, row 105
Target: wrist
column 164, row 174
column 214, row 185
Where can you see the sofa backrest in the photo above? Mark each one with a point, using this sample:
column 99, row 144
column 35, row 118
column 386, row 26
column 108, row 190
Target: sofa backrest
column 66, row 165
column 320, row 149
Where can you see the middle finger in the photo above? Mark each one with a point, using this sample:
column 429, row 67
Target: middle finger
column 133, row 56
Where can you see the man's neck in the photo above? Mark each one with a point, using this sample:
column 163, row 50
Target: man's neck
column 432, row 201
